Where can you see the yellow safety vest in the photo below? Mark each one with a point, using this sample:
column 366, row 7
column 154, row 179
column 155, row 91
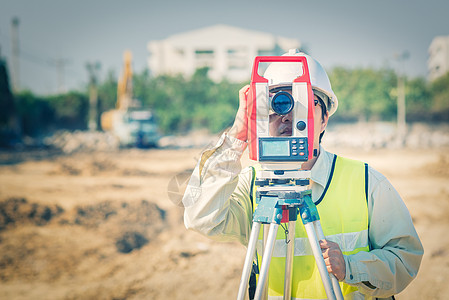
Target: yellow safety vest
column 344, row 218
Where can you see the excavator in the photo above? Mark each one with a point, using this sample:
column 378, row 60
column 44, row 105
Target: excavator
column 130, row 124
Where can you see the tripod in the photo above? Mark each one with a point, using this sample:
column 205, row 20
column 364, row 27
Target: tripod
column 280, row 199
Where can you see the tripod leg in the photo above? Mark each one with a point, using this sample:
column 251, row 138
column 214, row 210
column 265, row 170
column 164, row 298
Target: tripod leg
column 289, row 260
column 248, row 260
column 335, row 284
column 313, row 240
column 268, row 251
column 266, row 229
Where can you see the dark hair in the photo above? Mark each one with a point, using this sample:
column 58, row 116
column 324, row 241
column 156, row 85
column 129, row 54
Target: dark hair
column 323, row 114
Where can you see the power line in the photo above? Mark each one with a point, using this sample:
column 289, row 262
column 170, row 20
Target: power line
column 28, row 53
column 60, row 66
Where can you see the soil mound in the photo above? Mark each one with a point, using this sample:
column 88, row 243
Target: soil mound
column 72, row 240
column 130, row 241
column 131, row 225
column 18, row 211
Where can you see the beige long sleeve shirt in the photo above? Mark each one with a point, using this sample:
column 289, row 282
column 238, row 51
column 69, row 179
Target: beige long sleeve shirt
column 217, row 204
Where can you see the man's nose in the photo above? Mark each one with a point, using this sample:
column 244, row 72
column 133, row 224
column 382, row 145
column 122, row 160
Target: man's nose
column 287, row 117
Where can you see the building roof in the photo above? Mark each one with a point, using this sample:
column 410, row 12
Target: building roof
column 213, row 36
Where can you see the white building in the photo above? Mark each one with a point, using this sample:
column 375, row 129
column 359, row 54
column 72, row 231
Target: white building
column 228, row 52
column 438, row 63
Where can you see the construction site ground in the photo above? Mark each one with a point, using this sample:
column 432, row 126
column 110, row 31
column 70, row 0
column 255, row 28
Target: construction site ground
column 108, row 225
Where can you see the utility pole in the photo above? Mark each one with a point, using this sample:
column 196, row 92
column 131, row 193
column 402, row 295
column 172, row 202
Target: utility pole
column 15, row 54
column 401, row 107
column 60, row 64
column 93, row 69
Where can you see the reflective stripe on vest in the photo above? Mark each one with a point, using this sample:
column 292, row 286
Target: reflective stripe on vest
column 344, row 218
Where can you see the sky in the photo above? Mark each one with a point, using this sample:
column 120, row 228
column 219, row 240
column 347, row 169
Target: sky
column 352, row 33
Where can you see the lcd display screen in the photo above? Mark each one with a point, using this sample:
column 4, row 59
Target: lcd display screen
column 275, row 148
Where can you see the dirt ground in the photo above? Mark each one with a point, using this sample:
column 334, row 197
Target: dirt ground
column 109, row 225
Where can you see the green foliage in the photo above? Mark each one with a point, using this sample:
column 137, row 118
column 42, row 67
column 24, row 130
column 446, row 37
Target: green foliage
column 182, row 104
column 185, row 104
column 364, row 94
column 6, row 97
column 440, row 98
column 34, row 112
column 419, row 100
column 107, row 92
column 70, row 111
column 40, row 115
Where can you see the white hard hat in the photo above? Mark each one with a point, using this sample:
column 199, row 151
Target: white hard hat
column 283, row 74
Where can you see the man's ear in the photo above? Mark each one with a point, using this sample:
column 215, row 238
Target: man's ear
column 324, row 121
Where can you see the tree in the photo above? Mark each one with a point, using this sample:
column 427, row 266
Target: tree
column 184, row 104
column 440, row 98
column 69, row 111
column 7, row 109
column 34, row 112
column 107, row 92
column 419, row 100
column 364, row 94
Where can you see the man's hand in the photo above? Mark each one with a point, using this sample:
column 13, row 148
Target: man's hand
column 240, row 128
column 333, row 257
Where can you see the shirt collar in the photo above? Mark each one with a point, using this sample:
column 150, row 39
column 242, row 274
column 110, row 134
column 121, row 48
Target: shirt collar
column 321, row 169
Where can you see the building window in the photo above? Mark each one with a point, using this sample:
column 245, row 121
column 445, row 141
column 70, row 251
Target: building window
column 204, row 58
column 263, row 52
column 204, row 53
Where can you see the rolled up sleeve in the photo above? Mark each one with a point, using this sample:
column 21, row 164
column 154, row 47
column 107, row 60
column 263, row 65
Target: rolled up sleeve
column 216, row 200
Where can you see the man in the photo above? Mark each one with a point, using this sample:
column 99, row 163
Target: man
column 371, row 244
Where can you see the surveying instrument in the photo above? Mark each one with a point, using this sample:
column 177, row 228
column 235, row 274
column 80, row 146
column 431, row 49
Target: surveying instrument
column 283, row 189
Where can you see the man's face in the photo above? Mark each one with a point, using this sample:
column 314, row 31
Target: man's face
column 281, row 125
